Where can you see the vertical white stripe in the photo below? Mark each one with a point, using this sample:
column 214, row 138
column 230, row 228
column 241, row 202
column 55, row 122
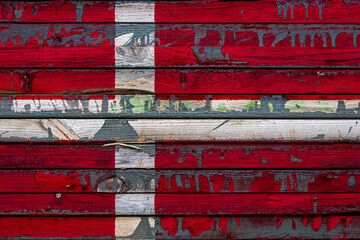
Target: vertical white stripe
column 135, row 204
column 135, row 12
column 132, row 158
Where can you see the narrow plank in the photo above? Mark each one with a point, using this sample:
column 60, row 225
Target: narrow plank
column 205, row 227
column 165, row 130
column 179, row 181
column 56, row 11
column 178, row 204
column 179, row 106
column 180, row 45
column 175, row 156
column 204, row 81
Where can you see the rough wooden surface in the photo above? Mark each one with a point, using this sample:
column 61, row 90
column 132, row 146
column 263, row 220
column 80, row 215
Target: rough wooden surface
column 179, row 106
column 148, row 130
column 220, row 119
column 182, row 45
column 179, row 181
column 307, row 82
column 275, row 11
column 248, row 227
column 178, row 204
column 182, row 156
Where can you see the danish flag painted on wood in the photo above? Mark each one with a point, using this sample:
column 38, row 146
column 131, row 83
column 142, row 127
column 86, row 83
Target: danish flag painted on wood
column 179, row 119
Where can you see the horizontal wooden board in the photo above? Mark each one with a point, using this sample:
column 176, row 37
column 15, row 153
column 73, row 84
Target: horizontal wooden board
column 178, row 81
column 185, row 156
column 178, row 45
column 275, row 11
column 179, row 181
column 57, row 11
column 178, row 204
column 179, row 106
column 168, row 130
column 205, row 227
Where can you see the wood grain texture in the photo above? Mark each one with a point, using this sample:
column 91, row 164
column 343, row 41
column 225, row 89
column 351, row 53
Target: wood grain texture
column 57, row 11
column 178, row 45
column 179, row 181
column 241, row 227
column 178, row 204
column 182, row 81
column 181, row 156
column 165, row 130
column 272, row 11
column 179, row 106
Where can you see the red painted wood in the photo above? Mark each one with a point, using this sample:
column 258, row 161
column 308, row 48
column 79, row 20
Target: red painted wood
column 257, row 156
column 56, row 156
column 264, row 11
column 260, row 227
column 257, row 181
column 209, row 45
column 49, row 204
column 257, row 81
column 55, row 80
column 54, row 57
column 57, row 11
column 247, row 204
column 57, row 227
column 179, row 181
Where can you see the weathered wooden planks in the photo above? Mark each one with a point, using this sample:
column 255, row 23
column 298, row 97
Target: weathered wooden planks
column 275, row 11
column 181, row 81
column 181, row 45
column 179, row 106
column 178, row 204
column 140, row 130
column 249, row 227
column 183, row 156
column 179, row 181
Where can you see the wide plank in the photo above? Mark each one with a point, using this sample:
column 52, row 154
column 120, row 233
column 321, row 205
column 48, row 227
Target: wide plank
column 204, row 227
column 169, row 130
column 268, row 11
column 181, row 156
column 190, row 227
column 181, row 81
column 178, row 204
column 178, row 45
column 179, row 181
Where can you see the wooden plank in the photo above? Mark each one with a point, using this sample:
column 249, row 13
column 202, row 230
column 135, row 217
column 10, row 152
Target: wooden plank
column 183, row 156
column 294, row 45
column 169, row 130
column 56, row 11
column 179, row 181
column 204, row 227
column 186, row 81
column 179, row 106
column 57, row 227
column 178, row 204
column 180, row 45
column 269, row 11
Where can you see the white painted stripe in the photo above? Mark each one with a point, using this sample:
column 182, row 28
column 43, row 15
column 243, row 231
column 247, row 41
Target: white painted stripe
column 126, row 157
column 135, row 79
column 130, row 204
column 125, row 227
column 135, row 12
